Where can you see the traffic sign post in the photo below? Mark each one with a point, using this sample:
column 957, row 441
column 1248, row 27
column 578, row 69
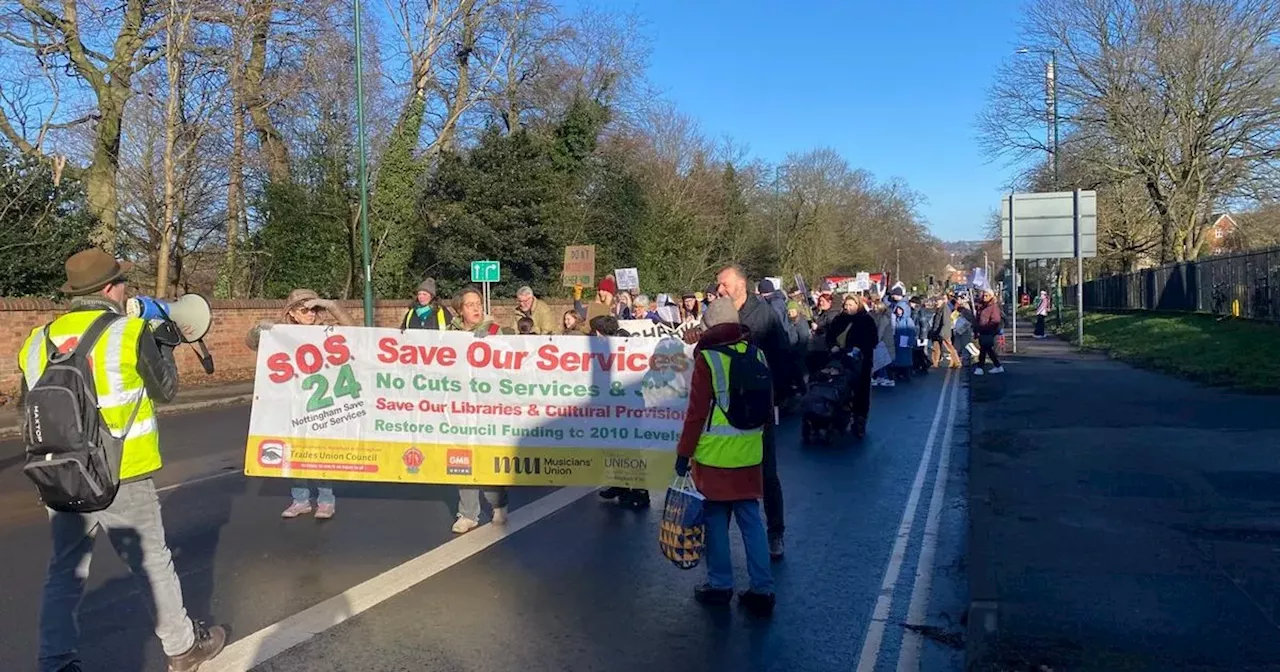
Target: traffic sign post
column 486, row 273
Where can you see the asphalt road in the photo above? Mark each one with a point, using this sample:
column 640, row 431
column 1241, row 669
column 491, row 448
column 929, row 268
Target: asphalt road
column 583, row 588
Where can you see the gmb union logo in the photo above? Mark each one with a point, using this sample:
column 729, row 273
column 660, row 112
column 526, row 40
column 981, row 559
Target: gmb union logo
column 271, row 452
column 413, row 460
column 458, row 462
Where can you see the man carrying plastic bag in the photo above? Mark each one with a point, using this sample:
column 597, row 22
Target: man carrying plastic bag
column 730, row 402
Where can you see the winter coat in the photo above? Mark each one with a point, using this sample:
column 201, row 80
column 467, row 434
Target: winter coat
column 940, row 329
column 823, row 320
column 717, row 484
column 487, row 327
column 800, row 329
column 778, row 302
column 544, row 319
column 596, row 309
column 426, row 317
column 884, row 328
column 862, row 333
column 988, row 319
column 770, row 334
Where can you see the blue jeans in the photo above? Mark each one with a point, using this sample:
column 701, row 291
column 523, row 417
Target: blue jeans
column 302, row 492
column 133, row 526
column 754, row 540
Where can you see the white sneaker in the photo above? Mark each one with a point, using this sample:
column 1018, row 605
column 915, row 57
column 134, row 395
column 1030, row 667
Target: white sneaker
column 296, row 509
column 499, row 515
column 464, row 525
column 889, row 382
column 998, row 369
column 875, row 382
column 979, row 372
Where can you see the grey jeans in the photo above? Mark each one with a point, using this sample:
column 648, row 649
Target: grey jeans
column 469, row 500
column 133, row 526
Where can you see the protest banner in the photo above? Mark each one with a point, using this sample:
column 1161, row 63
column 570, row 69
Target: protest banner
column 651, row 329
column 628, row 278
column 421, row 406
column 579, row 265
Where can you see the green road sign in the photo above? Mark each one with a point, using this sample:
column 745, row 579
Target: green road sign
column 485, row 271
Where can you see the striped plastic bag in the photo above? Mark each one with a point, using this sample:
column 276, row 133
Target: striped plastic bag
column 682, row 534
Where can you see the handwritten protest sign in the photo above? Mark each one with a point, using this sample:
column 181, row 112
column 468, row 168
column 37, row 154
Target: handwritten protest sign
column 579, row 265
column 364, row 404
column 628, row 278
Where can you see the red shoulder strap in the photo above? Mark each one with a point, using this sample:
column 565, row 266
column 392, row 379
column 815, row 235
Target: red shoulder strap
column 494, row 328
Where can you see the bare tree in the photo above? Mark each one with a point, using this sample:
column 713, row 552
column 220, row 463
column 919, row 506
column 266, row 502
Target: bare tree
column 82, row 47
column 1182, row 96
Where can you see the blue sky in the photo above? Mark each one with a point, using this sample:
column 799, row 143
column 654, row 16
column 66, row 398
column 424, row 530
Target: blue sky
column 894, row 86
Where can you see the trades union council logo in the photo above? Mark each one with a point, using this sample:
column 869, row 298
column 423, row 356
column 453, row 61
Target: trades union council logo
column 458, row 462
column 413, row 460
column 271, row 452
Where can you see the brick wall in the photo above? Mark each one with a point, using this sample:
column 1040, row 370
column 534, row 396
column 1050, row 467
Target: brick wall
column 231, row 321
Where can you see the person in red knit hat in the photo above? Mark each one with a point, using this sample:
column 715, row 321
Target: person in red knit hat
column 605, row 292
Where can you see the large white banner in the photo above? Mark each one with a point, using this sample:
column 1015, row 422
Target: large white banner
column 353, row 403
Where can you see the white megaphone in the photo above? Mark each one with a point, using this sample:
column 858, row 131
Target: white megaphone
column 191, row 314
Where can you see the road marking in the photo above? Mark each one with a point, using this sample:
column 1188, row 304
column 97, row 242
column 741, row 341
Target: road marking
column 201, row 479
column 874, row 637
column 917, row 611
column 273, row 640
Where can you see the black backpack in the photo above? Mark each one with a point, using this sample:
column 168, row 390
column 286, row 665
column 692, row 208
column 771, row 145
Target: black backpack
column 72, row 457
column 750, row 389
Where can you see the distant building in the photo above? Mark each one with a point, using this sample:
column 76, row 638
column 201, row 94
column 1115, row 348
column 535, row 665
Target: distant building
column 1220, row 232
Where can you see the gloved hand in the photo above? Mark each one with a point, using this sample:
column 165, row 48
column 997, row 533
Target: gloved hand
column 692, row 335
column 166, row 333
column 682, row 466
column 577, row 292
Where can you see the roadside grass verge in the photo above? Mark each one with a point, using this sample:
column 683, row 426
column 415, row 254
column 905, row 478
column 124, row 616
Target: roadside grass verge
column 1236, row 354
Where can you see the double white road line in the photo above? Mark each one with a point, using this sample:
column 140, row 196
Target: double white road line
column 917, row 610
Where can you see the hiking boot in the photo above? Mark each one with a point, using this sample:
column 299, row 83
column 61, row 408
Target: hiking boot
column 499, row 515
column 296, row 509
column 759, row 604
column 611, row 493
column 997, row 370
column 713, row 596
column 209, row 643
column 464, row 525
column 776, row 549
column 325, row 510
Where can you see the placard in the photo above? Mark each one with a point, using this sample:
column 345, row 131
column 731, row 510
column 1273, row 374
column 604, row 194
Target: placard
column 579, row 265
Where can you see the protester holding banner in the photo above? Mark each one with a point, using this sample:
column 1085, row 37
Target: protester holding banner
column 471, row 318
column 768, row 334
column 305, row 307
column 572, row 323
column 530, row 306
column 726, row 463
column 606, row 326
column 427, row 312
column 605, row 303
column 690, row 308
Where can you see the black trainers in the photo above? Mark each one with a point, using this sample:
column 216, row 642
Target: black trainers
column 611, row 493
column 713, row 596
column 759, row 604
column 209, row 643
column 638, row 499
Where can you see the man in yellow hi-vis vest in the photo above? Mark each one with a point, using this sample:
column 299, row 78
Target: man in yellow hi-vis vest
column 130, row 371
column 727, row 461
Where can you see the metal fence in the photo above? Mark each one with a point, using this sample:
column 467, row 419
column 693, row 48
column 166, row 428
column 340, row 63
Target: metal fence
column 1247, row 285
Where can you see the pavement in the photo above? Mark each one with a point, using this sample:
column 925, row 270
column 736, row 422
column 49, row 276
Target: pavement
column 873, row 579
column 1120, row 519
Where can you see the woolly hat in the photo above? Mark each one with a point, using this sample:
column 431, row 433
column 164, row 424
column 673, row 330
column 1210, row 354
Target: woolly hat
column 719, row 312
column 428, row 285
column 766, row 286
column 607, row 284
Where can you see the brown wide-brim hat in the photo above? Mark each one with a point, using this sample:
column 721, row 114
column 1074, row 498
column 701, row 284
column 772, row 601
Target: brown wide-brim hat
column 91, row 270
column 296, row 297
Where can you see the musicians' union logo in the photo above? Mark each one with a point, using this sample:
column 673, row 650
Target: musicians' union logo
column 413, row 460
column 271, row 453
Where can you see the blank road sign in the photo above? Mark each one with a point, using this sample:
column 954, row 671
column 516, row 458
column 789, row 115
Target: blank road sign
column 1042, row 224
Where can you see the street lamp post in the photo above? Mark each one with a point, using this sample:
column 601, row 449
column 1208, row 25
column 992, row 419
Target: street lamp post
column 364, row 172
column 1051, row 111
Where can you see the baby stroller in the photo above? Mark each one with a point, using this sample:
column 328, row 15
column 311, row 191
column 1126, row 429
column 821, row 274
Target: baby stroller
column 920, row 362
column 827, row 403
